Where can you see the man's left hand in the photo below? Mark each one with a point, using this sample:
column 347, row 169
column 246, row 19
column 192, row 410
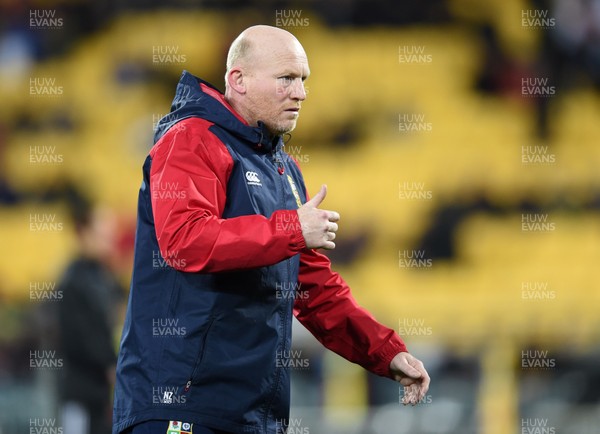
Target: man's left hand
column 410, row 373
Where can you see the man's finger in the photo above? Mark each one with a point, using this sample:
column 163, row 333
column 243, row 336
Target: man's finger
column 318, row 198
column 410, row 370
column 407, row 381
column 329, row 245
column 414, row 394
column 333, row 216
column 410, row 395
column 424, row 385
column 422, row 392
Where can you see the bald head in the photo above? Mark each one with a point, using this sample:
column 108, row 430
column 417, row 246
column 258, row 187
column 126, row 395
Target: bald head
column 257, row 42
column 266, row 69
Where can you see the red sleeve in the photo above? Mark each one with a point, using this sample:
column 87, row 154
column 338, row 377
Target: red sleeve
column 188, row 187
column 328, row 310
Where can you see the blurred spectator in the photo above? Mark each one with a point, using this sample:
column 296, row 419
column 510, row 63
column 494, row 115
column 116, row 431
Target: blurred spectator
column 90, row 291
column 498, row 74
column 570, row 54
column 8, row 196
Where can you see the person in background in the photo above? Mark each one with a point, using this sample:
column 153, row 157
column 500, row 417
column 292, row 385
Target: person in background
column 90, row 291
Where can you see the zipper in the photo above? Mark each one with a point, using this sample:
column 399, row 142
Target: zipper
column 283, row 309
column 278, row 162
column 200, row 358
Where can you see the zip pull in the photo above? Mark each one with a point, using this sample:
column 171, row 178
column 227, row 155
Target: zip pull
column 280, row 166
column 187, row 386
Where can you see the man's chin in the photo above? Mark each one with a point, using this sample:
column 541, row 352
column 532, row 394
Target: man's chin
column 279, row 130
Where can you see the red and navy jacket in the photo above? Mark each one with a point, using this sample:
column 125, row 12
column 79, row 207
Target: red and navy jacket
column 219, row 260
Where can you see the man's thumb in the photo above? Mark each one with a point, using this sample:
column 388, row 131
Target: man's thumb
column 411, row 372
column 318, row 198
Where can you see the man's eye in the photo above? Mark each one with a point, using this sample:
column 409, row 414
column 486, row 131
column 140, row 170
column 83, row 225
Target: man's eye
column 287, row 80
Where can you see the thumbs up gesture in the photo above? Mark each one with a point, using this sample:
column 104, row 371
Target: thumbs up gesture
column 318, row 226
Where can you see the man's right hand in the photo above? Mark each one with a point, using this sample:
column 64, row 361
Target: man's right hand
column 318, row 226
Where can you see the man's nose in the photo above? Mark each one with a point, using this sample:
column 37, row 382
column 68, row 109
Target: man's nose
column 298, row 92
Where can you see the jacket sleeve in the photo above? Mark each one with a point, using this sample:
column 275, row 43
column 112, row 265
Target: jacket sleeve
column 328, row 310
column 188, row 186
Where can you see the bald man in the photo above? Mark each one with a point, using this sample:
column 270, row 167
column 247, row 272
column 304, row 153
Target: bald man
column 226, row 252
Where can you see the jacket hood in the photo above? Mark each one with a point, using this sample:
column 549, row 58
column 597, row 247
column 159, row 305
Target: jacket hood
column 195, row 97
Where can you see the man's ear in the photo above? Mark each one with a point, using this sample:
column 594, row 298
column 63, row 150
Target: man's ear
column 235, row 80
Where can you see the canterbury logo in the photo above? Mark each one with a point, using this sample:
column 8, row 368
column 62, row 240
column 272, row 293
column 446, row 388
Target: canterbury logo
column 252, row 178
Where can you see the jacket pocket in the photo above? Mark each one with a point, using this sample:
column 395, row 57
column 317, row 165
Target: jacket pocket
column 201, row 355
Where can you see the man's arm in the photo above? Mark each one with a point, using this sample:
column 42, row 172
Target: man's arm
column 331, row 314
column 328, row 310
column 188, row 182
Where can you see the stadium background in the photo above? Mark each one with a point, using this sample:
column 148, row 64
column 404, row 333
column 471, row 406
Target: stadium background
column 469, row 202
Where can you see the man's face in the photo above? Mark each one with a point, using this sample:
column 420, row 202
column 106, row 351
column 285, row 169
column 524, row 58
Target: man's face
column 275, row 87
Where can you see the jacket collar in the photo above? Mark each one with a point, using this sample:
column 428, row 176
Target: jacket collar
column 195, row 97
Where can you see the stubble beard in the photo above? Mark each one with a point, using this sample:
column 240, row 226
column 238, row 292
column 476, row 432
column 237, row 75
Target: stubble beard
column 280, row 129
